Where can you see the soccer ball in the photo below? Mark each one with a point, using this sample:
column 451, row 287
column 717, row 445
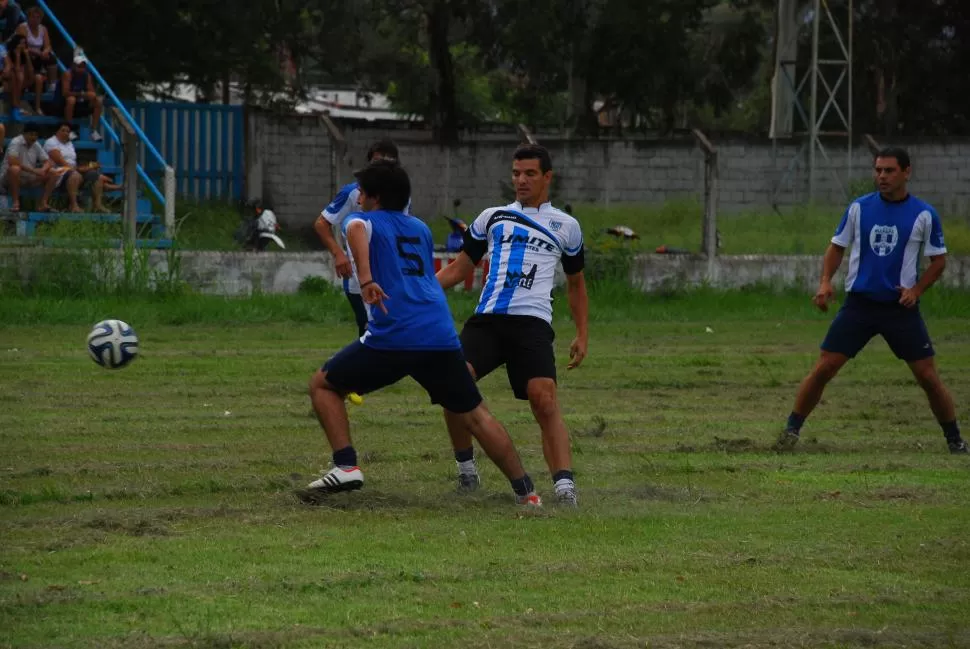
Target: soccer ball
column 112, row 344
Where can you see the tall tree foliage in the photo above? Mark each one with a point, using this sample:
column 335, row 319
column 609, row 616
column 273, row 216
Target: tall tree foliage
column 652, row 64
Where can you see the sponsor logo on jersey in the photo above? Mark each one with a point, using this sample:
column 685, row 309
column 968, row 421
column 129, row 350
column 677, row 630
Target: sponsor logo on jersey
column 532, row 242
column 555, row 226
column 521, row 280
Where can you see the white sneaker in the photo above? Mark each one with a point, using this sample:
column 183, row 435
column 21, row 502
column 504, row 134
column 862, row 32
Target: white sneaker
column 72, row 136
column 338, row 479
column 96, row 137
column 566, row 493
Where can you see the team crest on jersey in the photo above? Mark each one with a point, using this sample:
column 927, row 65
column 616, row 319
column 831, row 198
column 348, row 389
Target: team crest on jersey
column 883, row 239
column 555, row 226
column 521, row 280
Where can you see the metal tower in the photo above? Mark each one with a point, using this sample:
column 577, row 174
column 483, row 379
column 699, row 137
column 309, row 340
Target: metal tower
column 825, row 110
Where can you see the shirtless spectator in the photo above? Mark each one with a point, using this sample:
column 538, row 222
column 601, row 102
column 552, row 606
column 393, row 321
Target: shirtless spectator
column 75, row 94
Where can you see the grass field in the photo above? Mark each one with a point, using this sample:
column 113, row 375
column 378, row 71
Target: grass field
column 152, row 506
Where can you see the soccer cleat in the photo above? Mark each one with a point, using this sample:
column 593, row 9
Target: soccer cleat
column 786, row 441
column 531, row 499
column 338, row 479
column 566, row 493
column 958, row 447
column 468, row 482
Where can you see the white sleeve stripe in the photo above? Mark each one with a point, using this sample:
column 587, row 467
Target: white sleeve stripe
column 573, row 251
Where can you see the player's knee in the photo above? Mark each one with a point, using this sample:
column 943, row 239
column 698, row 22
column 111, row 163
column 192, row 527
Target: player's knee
column 927, row 378
column 542, row 397
column 318, row 381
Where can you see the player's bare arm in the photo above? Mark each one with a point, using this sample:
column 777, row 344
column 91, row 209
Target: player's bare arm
column 830, row 264
column 455, row 272
column 340, row 261
column 909, row 296
column 579, row 308
column 370, row 291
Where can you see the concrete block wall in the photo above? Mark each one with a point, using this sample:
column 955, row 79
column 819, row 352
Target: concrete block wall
column 300, row 171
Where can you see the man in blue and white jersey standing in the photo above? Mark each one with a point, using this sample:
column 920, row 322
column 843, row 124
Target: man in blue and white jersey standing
column 884, row 232
column 333, row 216
column 410, row 332
column 525, row 242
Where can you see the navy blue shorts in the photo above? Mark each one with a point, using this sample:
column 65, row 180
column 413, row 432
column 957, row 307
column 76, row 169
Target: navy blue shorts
column 860, row 319
column 443, row 374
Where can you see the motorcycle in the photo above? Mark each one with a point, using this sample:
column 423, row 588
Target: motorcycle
column 256, row 232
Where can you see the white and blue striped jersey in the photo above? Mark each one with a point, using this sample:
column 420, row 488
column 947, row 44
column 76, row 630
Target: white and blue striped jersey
column 885, row 240
column 336, row 212
column 524, row 246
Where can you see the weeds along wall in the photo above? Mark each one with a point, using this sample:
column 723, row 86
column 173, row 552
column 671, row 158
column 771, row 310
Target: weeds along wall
column 71, row 273
column 293, row 163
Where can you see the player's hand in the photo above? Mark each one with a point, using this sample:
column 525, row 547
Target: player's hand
column 908, row 297
column 342, row 264
column 577, row 352
column 823, row 296
column 374, row 294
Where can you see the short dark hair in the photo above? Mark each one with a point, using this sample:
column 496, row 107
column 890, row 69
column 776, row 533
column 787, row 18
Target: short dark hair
column 898, row 152
column 32, row 127
column 388, row 182
column 61, row 125
column 386, row 148
column 534, row 152
column 35, row 10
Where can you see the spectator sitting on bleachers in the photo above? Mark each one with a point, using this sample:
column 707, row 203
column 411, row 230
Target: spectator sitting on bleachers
column 41, row 64
column 62, row 153
column 75, row 94
column 27, row 165
column 14, row 65
column 11, row 16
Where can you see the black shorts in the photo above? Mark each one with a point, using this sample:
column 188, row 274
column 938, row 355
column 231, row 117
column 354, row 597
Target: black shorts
column 443, row 374
column 860, row 319
column 522, row 343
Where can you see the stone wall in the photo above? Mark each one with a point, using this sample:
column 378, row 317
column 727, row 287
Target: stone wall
column 242, row 273
column 293, row 163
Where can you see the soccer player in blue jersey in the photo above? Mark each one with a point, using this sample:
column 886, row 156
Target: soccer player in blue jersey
column 410, row 332
column 525, row 242
column 884, row 231
column 333, row 216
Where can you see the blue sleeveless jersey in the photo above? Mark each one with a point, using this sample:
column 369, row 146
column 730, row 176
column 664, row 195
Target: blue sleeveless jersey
column 402, row 262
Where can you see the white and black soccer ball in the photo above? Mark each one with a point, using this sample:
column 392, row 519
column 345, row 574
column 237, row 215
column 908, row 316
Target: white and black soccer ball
column 112, row 344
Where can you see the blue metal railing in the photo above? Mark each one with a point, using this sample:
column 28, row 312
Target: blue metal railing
column 105, row 120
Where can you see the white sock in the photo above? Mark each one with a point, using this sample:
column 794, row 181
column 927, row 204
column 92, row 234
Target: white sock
column 467, row 467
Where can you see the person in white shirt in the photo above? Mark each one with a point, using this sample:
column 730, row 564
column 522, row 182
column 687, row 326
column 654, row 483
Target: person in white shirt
column 41, row 64
column 525, row 242
column 73, row 177
column 27, row 165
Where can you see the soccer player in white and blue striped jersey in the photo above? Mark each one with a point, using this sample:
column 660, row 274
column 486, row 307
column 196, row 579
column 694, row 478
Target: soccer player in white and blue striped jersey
column 525, row 242
column 885, row 232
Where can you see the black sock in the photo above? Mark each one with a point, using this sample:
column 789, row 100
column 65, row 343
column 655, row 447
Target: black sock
column 465, row 455
column 522, row 486
column 565, row 474
column 346, row 456
column 795, row 422
column 951, row 430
